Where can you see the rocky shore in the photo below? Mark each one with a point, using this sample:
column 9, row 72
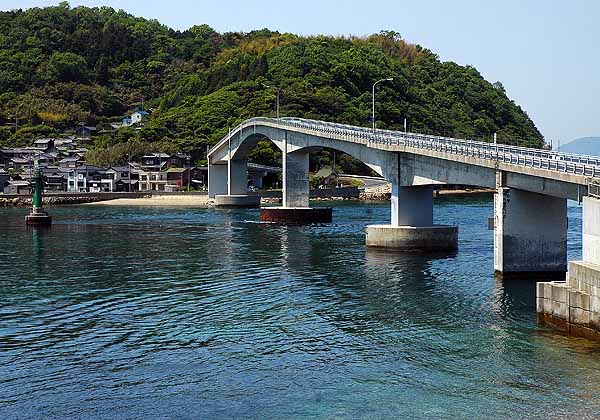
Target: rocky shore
column 378, row 193
column 58, row 200
column 48, row 201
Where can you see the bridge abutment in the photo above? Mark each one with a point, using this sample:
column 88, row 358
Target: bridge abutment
column 228, row 185
column 217, row 180
column 573, row 306
column 412, row 227
column 530, row 236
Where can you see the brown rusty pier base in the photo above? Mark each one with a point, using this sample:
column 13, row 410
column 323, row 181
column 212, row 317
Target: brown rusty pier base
column 296, row 215
column 38, row 217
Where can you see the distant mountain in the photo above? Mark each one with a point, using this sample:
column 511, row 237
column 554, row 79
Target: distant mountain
column 584, row 146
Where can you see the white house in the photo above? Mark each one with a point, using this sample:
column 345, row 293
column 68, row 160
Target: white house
column 138, row 116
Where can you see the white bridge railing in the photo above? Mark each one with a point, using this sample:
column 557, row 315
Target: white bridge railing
column 588, row 166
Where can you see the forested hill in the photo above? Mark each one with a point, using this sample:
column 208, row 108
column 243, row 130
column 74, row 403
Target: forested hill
column 60, row 66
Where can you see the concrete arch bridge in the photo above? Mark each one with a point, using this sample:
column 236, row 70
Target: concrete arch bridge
column 530, row 205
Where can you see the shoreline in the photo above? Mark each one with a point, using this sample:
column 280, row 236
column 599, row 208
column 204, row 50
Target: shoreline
column 159, row 201
column 185, row 200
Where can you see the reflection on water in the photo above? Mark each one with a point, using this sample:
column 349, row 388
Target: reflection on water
column 125, row 313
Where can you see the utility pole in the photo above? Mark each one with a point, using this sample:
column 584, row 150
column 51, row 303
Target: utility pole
column 189, row 173
column 405, row 125
column 129, row 172
column 389, row 79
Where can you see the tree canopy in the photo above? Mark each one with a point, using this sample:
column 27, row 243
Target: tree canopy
column 60, row 66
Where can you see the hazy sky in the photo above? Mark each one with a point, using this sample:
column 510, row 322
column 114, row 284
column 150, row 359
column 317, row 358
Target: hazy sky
column 545, row 52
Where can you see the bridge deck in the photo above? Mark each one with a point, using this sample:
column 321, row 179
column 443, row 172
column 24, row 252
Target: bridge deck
column 565, row 167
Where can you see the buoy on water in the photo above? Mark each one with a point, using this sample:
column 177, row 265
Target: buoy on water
column 38, row 216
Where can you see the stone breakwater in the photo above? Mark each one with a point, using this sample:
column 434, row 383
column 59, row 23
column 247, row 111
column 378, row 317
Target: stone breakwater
column 60, row 200
column 374, row 196
column 48, row 201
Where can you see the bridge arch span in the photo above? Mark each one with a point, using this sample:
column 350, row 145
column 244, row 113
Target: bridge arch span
column 382, row 162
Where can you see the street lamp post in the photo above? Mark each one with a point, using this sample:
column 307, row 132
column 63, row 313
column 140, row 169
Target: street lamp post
column 389, row 79
column 496, row 145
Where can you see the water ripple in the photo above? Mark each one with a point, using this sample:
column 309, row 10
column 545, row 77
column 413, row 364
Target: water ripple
column 189, row 313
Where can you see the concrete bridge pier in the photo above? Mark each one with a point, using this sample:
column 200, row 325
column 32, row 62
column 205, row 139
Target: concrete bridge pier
column 412, row 227
column 228, row 185
column 295, row 207
column 530, row 236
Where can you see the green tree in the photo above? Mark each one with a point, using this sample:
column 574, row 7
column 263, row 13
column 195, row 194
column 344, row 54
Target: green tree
column 68, row 67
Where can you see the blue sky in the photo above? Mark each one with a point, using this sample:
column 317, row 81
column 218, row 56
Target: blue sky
column 546, row 53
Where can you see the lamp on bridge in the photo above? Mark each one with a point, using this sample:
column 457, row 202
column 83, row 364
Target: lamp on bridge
column 389, row 79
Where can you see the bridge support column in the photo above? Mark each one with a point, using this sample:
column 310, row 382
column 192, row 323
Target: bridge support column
column 217, row 180
column 228, row 185
column 295, row 207
column 530, row 237
column 573, row 306
column 295, row 179
column 412, row 227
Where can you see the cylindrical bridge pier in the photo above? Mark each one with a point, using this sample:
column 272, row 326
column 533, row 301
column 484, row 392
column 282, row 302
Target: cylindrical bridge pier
column 412, row 227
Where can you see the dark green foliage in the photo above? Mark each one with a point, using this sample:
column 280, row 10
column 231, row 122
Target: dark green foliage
column 266, row 153
column 60, row 66
column 121, row 153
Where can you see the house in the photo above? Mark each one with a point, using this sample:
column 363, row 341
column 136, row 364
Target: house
column 69, row 162
column 3, row 160
column 46, row 159
column 327, row 175
column 55, row 179
column 180, row 160
column 20, row 152
column 4, row 178
column 156, row 161
column 150, row 180
column 95, row 179
column 101, row 180
column 125, row 178
column 45, row 145
column 17, row 188
column 86, row 132
column 65, row 144
column 79, row 178
column 80, row 152
column 126, row 185
column 135, row 118
column 182, row 177
column 138, row 116
column 20, row 164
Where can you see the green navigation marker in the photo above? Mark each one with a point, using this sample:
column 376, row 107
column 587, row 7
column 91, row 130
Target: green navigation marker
column 38, row 216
